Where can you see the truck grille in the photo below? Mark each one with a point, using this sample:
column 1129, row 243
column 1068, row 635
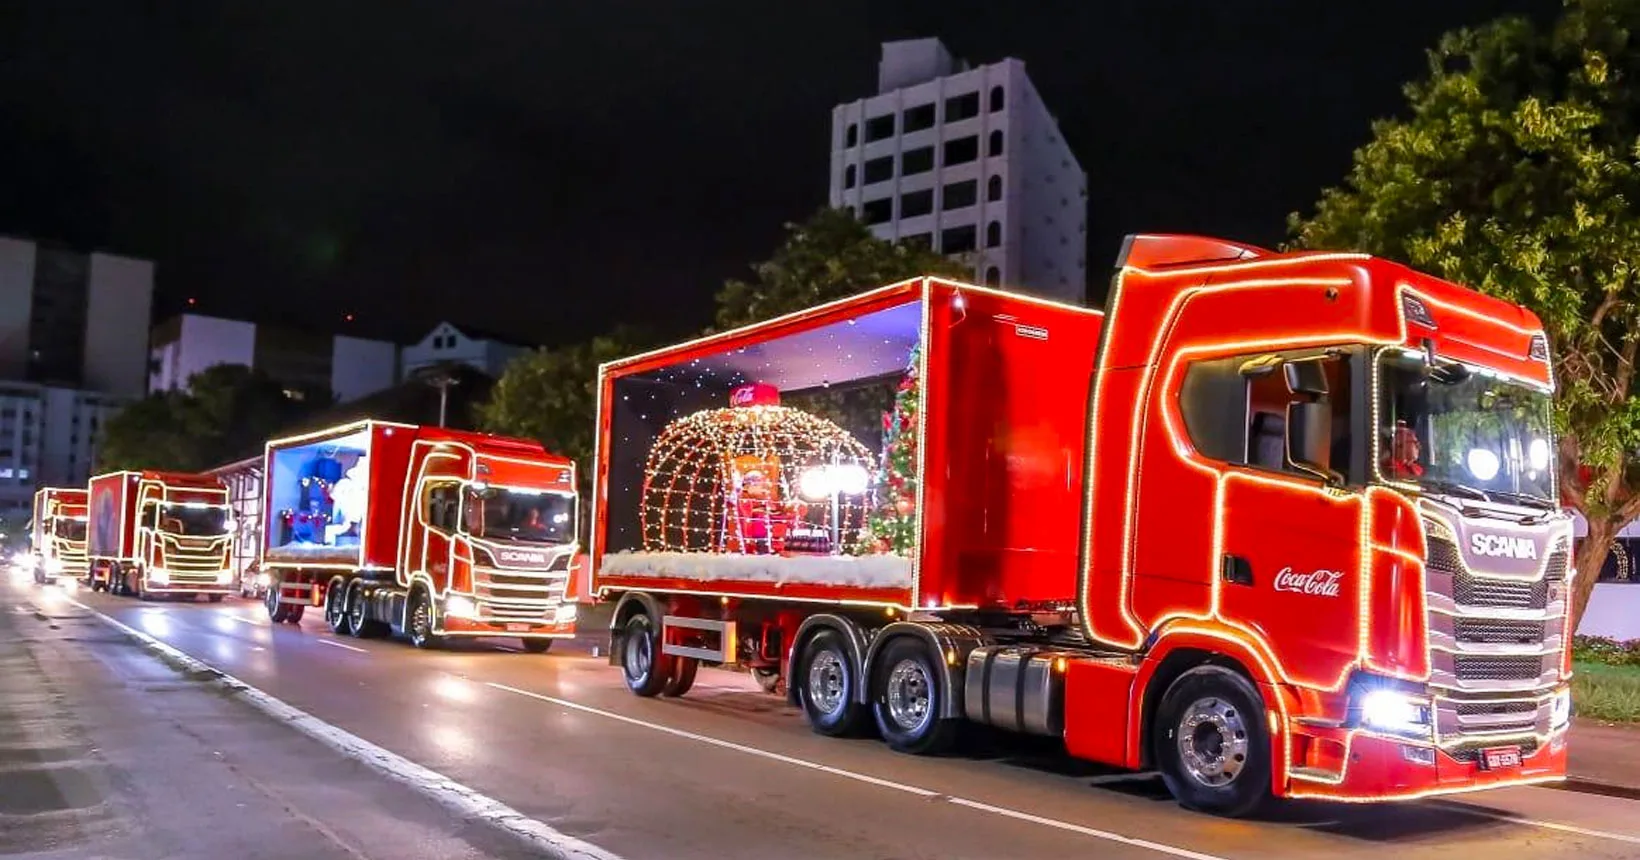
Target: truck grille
column 1471, row 667
column 522, row 595
column 1469, row 752
column 1498, row 632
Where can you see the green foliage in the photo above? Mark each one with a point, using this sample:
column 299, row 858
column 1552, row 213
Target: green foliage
column 830, row 256
column 1601, row 649
column 1605, row 692
column 893, row 526
column 1516, row 173
column 226, row 414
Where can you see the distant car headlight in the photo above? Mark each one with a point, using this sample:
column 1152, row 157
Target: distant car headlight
column 54, row 565
column 264, row 580
column 1395, row 712
column 224, row 577
column 457, row 606
column 1560, row 711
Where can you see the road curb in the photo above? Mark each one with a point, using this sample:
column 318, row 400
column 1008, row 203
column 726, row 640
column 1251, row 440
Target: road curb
column 458, row 798
column 1595, row 786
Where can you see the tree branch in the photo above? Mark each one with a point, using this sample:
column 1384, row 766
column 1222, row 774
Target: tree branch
column 1600, row 312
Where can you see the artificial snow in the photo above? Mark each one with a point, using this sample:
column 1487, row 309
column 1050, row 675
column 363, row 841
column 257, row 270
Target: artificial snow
column 314, row 552
column 864, row 571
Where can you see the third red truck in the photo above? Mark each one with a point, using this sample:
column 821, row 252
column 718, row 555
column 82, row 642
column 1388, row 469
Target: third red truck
column 1274, row 524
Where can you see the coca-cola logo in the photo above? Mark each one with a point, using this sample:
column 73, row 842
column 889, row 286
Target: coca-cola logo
column 1319, row 583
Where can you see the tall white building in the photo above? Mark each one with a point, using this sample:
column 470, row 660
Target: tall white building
column 348, row 367
column 967, row 161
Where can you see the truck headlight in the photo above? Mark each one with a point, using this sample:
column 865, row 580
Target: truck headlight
column 224, row 577
column 1560, row 709
column 460, row 607
column 1395, row 712
column 54, row 565
column 159, row 576
column 565, row 613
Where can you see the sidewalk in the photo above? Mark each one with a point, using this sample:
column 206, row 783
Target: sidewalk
column 105, row 751
column 1605, row 759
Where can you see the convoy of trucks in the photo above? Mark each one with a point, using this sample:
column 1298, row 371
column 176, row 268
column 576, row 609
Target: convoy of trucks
column 1273, row 524
column 57, row 534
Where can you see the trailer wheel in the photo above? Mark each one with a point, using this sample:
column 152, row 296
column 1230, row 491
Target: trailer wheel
column 359, row 624
column 336, row 606
column 1212, row 744
column 767, row 679
column 293, row 613
column 536, row 646
column 906, row 699
column 276, row 610
column 827, row 686
column 682, row 677
column 420, row 622
column 643, row 665
column 215, row 598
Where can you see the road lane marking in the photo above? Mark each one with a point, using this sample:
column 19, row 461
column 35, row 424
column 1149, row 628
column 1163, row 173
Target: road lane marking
column 1533, row 822
column 872, row 780
column 452, row 795
column 243, row 620
column 334, row 644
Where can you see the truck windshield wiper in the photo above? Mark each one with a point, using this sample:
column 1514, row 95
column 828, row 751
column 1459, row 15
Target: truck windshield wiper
column 1454, row 488
column 1526, row 499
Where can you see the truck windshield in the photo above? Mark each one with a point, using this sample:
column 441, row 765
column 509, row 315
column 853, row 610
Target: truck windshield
column 193, row 520
column 68, row 528
column 1463, row 433
column 501, row 513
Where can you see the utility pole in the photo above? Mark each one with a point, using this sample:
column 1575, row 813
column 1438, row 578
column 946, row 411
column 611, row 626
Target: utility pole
column 443, row 378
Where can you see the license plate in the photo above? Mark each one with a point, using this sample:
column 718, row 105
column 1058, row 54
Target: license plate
column 518, row 628
column 1500, row 758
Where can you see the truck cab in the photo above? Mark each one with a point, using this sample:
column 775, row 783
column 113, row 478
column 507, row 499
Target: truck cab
column 160, row 534
column 57, row 534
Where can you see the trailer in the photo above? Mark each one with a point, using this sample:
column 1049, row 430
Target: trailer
column 57, row 534
column 159, row 534
column 1275, row 525
column 243, row 480
column 424, row 532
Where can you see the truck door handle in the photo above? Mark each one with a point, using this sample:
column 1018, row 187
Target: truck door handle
column 1235, row 569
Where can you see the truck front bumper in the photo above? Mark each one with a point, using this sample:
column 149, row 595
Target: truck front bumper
column 519, row 628
column 1377, row 767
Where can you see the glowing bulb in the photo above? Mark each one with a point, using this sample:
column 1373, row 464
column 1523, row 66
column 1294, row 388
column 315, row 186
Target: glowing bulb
column 1538, row 454
column 1483, row 463
column 815, row 483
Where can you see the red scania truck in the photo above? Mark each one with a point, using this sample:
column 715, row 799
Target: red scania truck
column 159, row 534
column 424, row 532
column 1271, row 524
column 57, row 534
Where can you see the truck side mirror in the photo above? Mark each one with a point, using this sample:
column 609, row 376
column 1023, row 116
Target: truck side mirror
column 1309, row 436
column 1306, row 377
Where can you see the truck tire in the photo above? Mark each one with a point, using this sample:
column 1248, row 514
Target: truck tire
column 644, row 667
column 1212, row 744
column 293, row 613
column 359, row 623
column 418, row 622
column 827, row 683
column 336, row 606
column 536, row 646
column 683, row 676
column 907, row 700
column 767, row 679
column 215, row 598
column 276, row 610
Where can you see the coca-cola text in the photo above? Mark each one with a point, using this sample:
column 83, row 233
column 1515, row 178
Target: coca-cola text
column 1322, row 583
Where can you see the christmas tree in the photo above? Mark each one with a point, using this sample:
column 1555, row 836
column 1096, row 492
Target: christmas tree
column 893, row 527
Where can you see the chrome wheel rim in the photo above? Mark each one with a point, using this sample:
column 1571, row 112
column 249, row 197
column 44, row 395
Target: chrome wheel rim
column 636, row 656
column 827, row 682
column 909, row 695
column 1212, row 740
column 420, row 620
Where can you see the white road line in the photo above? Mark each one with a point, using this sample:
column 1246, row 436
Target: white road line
column 334, row 644
column 872, row 780
column 454, row 796
column 1546, row 825
column 242, row 620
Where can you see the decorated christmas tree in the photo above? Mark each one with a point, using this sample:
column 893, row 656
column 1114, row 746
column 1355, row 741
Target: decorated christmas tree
column 893, row 526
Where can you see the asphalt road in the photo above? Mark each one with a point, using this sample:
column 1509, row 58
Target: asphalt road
column 730, row 772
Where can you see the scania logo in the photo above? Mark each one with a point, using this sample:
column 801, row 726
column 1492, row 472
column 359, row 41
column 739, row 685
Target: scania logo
column 1503, row 546
column 1320, row 583
column 519, row 557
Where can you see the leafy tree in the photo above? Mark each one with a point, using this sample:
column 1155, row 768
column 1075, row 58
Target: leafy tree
column 830, row 256
column 1516, row 173
column 226, row 413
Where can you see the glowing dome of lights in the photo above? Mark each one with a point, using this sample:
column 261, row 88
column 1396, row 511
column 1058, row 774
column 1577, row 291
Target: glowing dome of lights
column 758, row 479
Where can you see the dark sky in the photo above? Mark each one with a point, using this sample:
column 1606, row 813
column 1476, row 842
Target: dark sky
column 546, row 168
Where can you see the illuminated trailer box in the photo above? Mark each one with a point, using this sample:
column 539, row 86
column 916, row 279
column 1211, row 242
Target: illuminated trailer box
column 318, row 508
column 917, row 445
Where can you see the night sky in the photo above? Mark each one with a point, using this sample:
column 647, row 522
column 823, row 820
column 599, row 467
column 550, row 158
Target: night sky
column 546, row 168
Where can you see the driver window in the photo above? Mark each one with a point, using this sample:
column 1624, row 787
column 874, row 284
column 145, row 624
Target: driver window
column 442, row 503
column 1242, row 418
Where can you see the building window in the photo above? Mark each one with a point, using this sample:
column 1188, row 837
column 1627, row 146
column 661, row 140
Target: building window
column 993, row 275
column 879, row 128
column 916, row 203
column 962, row 107
column 879, row 170
column 848, row 176
column 919, row 118
column 962, row 150
column 878, row 211
column 958, row 240
column 852, row 137
column 919, row 240
column 993, row 234
column 997, row 99
column 914, row 161
column 960, row 194
column 993, row 189
column 996, row 144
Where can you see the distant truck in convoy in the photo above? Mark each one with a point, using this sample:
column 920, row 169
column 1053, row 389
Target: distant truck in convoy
column 158, row 534
column 424, row 532
column 57, row 534
column 1273, row 524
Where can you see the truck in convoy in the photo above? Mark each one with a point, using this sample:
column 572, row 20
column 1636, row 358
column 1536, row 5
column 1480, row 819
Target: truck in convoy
column 158, row 534
column 57, row 534
column 1273, row 524
column 424, row 532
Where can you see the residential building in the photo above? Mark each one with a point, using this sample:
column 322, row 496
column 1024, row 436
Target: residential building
column 348, row 367
column 74, row 320
column 447, row 344
column 48, row 438
column 967, row 161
